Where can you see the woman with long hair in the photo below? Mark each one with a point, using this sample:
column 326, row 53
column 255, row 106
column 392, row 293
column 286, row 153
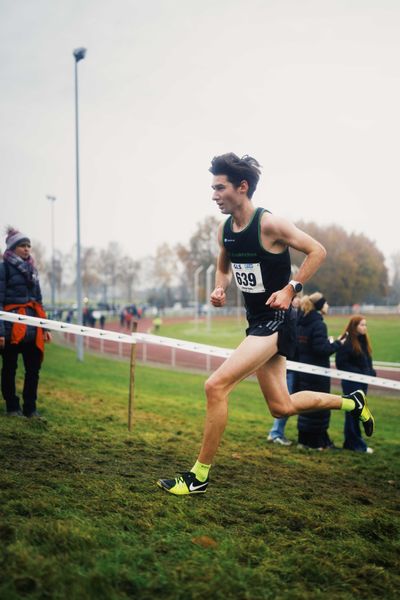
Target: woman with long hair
column 355, row 356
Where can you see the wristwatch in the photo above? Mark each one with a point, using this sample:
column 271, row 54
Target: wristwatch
column 296, row 285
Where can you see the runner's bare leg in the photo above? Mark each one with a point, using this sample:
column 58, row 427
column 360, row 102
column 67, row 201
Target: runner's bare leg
column 254, row 354
column 246, row 359
column 272, row 379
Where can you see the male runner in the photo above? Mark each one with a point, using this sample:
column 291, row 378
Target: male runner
column 254, row 248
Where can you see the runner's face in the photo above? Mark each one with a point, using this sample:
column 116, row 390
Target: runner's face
column 23, row 251
column 225, row 194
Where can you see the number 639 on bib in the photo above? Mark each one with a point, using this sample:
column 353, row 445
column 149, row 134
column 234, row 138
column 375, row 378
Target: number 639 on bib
column 248, row 277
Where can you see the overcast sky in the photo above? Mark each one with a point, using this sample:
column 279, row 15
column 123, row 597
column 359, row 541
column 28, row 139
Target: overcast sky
column 310, row 88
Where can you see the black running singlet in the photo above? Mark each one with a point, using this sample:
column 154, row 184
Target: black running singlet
column 257, row 272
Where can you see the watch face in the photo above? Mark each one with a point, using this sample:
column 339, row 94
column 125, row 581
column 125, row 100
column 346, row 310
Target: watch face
column 297, row 286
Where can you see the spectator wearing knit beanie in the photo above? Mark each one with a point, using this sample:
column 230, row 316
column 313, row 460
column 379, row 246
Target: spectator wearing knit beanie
column 20, row 293
column 15, row 238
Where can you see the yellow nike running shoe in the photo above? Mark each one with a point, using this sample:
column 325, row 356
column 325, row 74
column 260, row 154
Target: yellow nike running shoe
column 362, row 411
column 183, row 485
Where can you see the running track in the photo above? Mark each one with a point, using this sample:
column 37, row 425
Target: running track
column 161, row 355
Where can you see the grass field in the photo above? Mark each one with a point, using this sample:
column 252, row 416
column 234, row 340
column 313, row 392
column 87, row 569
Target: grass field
column 82, row 517
column 384, row 332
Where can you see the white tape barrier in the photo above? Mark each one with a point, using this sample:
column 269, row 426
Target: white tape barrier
column 188, row 346
column 66, row 327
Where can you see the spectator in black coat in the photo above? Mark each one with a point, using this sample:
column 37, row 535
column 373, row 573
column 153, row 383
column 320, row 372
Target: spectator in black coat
column 20, row 293
column 355, row 356
column 314, row 348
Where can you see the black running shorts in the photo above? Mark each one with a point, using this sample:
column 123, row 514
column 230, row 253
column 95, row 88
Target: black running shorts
column 282, row 322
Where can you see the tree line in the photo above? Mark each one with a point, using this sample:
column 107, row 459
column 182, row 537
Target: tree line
column 354, row 271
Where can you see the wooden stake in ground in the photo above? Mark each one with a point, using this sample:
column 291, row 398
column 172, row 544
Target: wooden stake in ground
column 132, row 377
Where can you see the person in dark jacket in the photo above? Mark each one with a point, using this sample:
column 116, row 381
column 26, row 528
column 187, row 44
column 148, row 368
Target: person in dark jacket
column 355, row 356
column 314, row 348
column 20, row 293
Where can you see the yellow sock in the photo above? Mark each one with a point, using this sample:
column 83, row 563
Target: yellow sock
column 348, row 404
column 200, row 470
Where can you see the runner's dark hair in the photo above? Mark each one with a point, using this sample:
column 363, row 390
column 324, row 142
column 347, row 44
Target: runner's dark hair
column 237, row 170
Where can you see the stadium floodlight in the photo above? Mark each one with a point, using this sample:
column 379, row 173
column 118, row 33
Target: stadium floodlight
column 79, row 54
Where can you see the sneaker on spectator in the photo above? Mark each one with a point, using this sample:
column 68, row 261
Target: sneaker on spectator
column 304, row 447
column 14, row 413
column 35, row 415
column 283, row 441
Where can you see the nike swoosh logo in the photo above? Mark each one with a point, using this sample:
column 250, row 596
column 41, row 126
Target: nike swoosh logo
column 359, row 403
column 192, row 487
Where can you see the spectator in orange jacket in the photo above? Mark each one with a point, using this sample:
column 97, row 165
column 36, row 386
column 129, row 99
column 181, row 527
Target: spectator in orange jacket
column 20, row 293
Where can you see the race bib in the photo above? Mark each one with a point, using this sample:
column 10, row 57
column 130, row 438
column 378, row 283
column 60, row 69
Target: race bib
column 248, row 277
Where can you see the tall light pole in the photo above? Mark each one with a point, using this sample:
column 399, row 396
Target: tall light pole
column 53, row 272
column 196, row 295
column 209, row 289
column 79, row 54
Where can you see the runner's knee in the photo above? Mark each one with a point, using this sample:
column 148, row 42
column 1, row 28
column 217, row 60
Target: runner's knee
column 214, row 388
column 281, row 409
column 210, row 387
column 280, row 412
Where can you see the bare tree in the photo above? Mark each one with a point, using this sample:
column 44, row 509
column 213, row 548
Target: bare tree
column 91, row 272
column 39, row 255
column 129, row 271
column 110, row 260
column 166, row 274
column 201, row 251
column 395, row 284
